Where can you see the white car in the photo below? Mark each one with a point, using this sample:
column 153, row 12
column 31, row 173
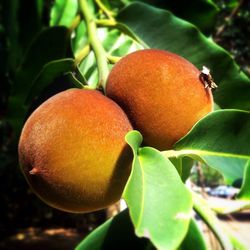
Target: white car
column 224, row 191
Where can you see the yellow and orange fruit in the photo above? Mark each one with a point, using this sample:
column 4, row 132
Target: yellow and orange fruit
column 73, row 153
column 161, row 93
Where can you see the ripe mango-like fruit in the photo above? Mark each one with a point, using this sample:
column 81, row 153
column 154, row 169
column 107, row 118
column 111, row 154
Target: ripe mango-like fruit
column 73, row 153
column 162, row 94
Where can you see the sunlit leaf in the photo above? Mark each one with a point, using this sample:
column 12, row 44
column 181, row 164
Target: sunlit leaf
column 221, row 140
column 63, row 12
column 159, row 204
column 80, row 38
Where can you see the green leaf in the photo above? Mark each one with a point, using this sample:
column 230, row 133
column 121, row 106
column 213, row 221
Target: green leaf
column 48, row 74
column 88, row 68
column 116, row 233
column 245, row 188
column 115, row 43
column 63, row 12
column 201, row 13
column 238, row 244
column 183, row 165
column 157, row 28
column 119, row 44
column 187, row 164
column 159, row 203
column 194, row 238
column 19, row 32
column 57, row 39
column 221, row 140
column 80, row 38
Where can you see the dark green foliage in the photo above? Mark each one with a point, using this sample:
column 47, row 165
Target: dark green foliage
column 202, row 13
column 116, row 233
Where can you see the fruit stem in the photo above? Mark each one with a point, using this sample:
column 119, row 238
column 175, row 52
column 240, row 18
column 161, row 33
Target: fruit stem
column 113, row 59
column 33, row 171
column 208, row 216
column 96, row 45
column 106, row 22
column 105, row 10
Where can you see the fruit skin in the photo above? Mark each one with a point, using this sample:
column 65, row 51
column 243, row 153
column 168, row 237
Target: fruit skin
column 73, row 153
column 161, row 93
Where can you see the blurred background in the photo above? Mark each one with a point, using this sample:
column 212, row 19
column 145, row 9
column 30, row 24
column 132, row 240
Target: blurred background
column 25, row 221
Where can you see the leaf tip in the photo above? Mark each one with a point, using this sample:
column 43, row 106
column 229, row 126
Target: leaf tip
column 134, row 139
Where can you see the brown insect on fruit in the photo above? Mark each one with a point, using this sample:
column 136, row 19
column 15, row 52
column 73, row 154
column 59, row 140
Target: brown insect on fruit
column 207, row 79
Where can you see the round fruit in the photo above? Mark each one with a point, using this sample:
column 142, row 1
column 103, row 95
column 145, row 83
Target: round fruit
column 161, row 93
column 73, row 153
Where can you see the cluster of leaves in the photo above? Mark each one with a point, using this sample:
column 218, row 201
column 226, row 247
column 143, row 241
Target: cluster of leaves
column 61, row 56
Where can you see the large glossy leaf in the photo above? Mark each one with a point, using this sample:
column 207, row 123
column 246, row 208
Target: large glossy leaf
column 57, row 39
column 202, row 13
column 194, row 238
column 221, row 140
column 116, row 233
column 63, row 12
column 157, row 28
column 159, row 203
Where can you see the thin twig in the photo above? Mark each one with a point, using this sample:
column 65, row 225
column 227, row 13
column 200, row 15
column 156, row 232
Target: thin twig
column 229, row 18
column 105, row 10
